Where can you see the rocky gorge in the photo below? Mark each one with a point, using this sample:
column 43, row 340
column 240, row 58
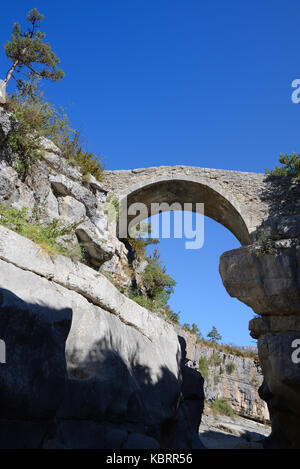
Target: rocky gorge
column 231, row 375
column 87, row 367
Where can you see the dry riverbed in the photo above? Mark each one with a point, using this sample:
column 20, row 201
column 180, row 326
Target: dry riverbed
column 221, row 432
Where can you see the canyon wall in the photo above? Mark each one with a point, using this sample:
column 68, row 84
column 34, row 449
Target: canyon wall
column 227, row 376
column 267, row 278
column 88, row 367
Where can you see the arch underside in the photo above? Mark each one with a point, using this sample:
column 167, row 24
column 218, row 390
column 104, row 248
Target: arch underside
column 216, row 206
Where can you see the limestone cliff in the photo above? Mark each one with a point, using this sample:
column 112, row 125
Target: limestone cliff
column 88, row 367
column 266, row 277
column 85, row 367
column 227, row 376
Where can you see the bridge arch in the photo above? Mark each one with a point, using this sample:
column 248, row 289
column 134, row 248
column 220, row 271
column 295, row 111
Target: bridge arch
column 218, row 205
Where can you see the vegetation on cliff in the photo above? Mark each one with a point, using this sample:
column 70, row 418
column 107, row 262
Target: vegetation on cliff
column 32, row 117
column 52, row 237
column 290, row 166
column 222, row 406
column 155, row 286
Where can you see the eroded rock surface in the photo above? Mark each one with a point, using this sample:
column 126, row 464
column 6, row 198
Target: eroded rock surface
column 233, row 378
column 109, row 335
column 86, row 367
column 266, row 277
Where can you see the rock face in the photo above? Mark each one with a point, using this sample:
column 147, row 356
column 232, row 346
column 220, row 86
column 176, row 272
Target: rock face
column 50, row 305
column 86, row 367
column 223, row 432
column 266, row 277
column 228, row 376
column 54, row 190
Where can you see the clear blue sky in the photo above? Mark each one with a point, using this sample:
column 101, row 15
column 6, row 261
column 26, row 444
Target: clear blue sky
column 166, row 82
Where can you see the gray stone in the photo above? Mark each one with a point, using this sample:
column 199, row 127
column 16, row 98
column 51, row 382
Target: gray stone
column 74, row 276
column 95, row 184
column 50, row 208
column 260, row 326
column 49, row 146
column 5, row 123
column 12, row 191
column 34, row 334
column 64, row 186
column 70, row 209
column 281, row 388
column 267, row 281
column 8, row 180
column 99, row 249
column 116, row 374
column 242, row 202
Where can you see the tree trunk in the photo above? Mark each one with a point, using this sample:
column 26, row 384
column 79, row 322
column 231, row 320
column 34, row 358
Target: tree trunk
column 9, row 74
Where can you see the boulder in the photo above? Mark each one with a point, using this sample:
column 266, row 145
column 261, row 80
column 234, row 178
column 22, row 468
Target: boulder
column 268, row 282
column 267, row 278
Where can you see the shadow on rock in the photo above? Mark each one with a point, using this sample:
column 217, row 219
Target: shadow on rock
column 51, row 398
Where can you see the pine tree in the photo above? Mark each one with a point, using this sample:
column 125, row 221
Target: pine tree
column 194, row 328
column 30, row 55
column 290, row 166
column 214, row 335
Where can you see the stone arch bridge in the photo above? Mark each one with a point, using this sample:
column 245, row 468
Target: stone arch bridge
column 240, row 201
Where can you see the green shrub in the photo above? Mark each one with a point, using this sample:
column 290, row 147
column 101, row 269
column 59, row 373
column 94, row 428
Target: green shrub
column 254, row 380
column 45, row 236
column 203, row 367
column 158, row 284
column 216, row 380
column 195, row 330
column 139, row 244
column 290, row 166
column 154, row 286
column 230, row 367
column 174, row 317
column 32, row 118
column 28, row 121
column 169, row 314
column 221, row 406
column 228, row 349
column 142, row 301
column 89, row 164
column 215, row 359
